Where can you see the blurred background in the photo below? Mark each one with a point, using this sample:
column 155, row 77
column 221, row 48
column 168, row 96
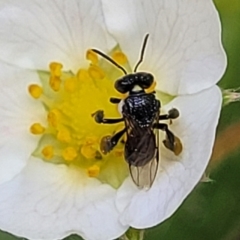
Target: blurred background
column 212, row 211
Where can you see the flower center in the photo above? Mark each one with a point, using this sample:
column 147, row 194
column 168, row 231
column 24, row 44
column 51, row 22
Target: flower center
column 70, row 135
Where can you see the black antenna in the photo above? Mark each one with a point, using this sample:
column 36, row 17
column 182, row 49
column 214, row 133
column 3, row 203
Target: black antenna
column 110, row 60
column 142, row 52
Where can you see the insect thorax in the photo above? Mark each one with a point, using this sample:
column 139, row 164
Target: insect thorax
column 141, row 107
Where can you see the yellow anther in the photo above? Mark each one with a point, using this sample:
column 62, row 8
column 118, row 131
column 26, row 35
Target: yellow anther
column 92, row 56
column 55, row 83
column 89, row 147
column 88, row 151
column 83, row 75
column 35, row 90
column 53, row 117
column 151, row 88
column 70, row 84
column 118, row 153
column 71, row 135
column 119, row 57
column 96, row 72
column 93, row 171
column 47, row 152
column 37, row 128
column 55, row 69
column 64, row 135
column 69, row 153
column 91, row 140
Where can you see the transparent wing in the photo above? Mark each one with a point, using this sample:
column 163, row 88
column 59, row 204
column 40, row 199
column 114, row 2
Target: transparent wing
column 142, row 152
column 144, row 176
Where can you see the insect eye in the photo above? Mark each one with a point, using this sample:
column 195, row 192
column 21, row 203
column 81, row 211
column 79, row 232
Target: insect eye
column 123, row 85
column 145, row 80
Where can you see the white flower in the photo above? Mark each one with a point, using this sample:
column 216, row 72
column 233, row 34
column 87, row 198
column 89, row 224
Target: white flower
column 40, row 200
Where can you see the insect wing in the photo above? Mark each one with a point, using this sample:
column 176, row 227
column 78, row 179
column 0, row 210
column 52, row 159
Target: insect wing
column 144, row 176
column 143, row 169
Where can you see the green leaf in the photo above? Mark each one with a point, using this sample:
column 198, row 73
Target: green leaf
column 211, row 212
column 73, row 237
column 133, row 234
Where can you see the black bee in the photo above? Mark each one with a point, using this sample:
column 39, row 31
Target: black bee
column 141, row 115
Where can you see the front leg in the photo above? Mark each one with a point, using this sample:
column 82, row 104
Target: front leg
column 109, row 142
column 171, row 142
column 115, row 100
column 99, row 118
column 172, row 114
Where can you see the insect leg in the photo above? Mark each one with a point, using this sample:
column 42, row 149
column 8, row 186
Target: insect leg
column 115, row 100
column 172, row 114
column 99, row 118
column 171, row 142
column 109, row 142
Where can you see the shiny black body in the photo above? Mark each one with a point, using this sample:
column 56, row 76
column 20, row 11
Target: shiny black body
column 141, row 115
column 142, row 108
column 140, row 112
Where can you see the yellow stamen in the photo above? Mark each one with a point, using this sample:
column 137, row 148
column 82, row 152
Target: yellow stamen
column 72, row 136
column 91, row 140
column 88, row 151
column 69, row 153
column 92, row 56
column 35, row 91
column 47, row 152
column 119, row 57
column 55, row 83
column 118, row 152
column 64, row 135
column 56, row 69
column 54, row 117
column 96, row 72
column 93, row 171
column 70, row 84
column 83, row 76
column 89, row 148
column 37, row 128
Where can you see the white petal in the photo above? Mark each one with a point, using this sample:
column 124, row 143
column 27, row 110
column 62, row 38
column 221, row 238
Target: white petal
column 49, row 201
column 34, row 33
column 184, row 51
column 18, row 111
column 178, row 175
